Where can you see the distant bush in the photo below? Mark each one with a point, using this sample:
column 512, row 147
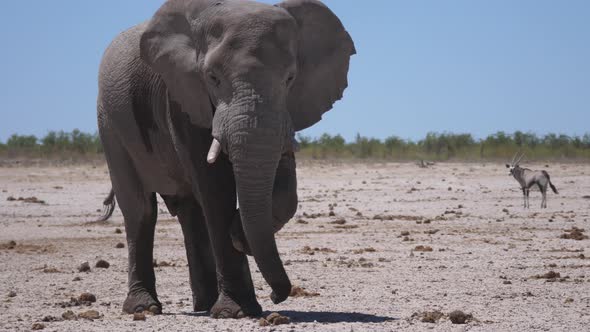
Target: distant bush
column 435, row 146
column 448, row 146
column 52, row 144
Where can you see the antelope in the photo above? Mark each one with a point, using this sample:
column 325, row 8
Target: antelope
column 528, row 178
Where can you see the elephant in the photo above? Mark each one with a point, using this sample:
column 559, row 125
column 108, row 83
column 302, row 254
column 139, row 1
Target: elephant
column 200, row 105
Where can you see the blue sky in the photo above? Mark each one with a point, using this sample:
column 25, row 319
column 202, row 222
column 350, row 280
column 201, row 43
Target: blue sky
column 457, row 66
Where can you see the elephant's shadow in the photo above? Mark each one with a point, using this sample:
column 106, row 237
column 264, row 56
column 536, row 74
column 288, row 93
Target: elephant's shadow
column 333, row 317
column 324, row 317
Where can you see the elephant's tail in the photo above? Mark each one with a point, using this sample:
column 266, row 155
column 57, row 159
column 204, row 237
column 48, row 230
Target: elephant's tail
column 108, row 206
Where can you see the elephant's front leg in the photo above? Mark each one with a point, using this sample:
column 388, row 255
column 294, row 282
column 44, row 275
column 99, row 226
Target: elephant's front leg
column 201, row 261
column 218, row 197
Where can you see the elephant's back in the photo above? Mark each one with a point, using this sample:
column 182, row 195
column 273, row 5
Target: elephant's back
column 128, row 89
column 119, row 66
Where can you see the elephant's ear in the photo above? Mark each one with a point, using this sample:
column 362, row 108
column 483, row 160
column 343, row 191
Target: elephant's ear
column 169, row 47
column 324, row 51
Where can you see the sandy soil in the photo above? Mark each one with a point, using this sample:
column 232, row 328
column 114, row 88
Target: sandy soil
column 481, row 252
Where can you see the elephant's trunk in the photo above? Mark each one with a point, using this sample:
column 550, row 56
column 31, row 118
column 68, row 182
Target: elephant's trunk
column 255, row 142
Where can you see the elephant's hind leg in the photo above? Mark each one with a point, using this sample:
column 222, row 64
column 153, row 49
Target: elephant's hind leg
column 201, row 261
column 139, row 210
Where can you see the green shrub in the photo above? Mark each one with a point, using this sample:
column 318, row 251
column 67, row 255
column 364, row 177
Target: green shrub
column 434, row 146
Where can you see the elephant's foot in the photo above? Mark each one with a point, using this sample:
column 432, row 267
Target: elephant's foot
column 225, row 307
column 138, row 301
column 203, row 304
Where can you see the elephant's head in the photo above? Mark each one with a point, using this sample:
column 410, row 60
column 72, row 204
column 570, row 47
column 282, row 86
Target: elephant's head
column 255, row 74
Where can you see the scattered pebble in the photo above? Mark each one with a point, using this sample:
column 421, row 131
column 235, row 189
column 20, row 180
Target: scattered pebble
column 311, row 251
column 118, row 231
column 8, row 245
column 548, row 275
column 459, row 317
column 90, row 315
column 274, row 319
column 31, row 199
column 102, row 264
column 162, row 264
column 38, row 326
column 423, row 248
column 574, row 234
column 429, row 316
column 363, row 250
column 297, row 291
column 50, row 318
column 87, row 297
column 263, row 322
column 340, row 221
column 50, row 270
column 11, row 293
column 69, row 315
column 119, row 245
column 84, row 267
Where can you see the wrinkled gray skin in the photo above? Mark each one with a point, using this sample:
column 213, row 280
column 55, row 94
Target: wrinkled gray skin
column 246, row 74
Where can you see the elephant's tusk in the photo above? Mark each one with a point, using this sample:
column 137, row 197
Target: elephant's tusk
column 213, row 151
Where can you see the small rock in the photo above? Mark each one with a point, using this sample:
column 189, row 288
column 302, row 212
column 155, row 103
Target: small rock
column 164, row 264
column 139, row 316
column 69, row 315
column 331, row 214
column 340, row 221
column 118, row 231
column 430, row 316
column 11, row 293
column 569, row 300
column 277, row 319
column 50, row 270
column 102, row 264
column 87, row 297
column 297, row 291
column 119, row 245
column 76, row 278
column 90, row 315
column 423, row 248
column 459, row 317
column 548, row 275
column 38, row 326
column 51, row 319
column 84, row 267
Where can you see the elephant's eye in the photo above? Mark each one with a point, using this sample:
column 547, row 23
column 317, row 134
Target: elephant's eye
column 290, row 80
column 213, row 80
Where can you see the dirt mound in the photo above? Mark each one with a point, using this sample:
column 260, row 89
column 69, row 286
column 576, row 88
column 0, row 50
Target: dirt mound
column 297, row 291
column 31, row 199
column 574, row 234
column 274, row 319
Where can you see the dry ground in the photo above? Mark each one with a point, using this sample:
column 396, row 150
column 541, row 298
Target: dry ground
column 481, row 252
